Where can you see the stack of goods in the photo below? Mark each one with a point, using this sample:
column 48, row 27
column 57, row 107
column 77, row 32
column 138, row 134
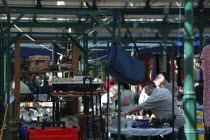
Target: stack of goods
column 39, row 63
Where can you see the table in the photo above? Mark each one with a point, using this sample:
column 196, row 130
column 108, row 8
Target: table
column 142, row 132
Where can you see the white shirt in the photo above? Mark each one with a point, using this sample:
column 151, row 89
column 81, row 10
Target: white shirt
column 24, row 88
column 143, row 96
column 125, row 93
column 12, row 98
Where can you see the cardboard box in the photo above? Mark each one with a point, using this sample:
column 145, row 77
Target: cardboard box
column 39, row 63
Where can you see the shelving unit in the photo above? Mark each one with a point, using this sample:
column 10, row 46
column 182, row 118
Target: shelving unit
column 85, row 91
column 74, row 61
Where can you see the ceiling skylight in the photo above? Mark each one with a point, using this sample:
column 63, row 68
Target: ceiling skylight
column 59, row 3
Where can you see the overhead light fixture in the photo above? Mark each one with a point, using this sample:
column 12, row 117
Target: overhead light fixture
column 177, row 4
column 44, row 18
column 131, row 4
column 13, row 18
column 60, row 3
column 60, row 19
column 84, row 4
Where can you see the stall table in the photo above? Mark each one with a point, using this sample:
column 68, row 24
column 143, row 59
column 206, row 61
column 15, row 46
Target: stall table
column 141, row 132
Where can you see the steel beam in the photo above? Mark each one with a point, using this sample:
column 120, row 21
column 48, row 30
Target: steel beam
column 97, row 19
column 75, row 42
column 13, row 23
column 103, row 11
column 63, row 11
column 50, row 33
column 137, row 39
column 156, row 25
column 51, row 24
column 6, row 7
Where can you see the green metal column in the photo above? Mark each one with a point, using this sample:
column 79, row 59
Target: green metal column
column 2, row 84
column 95, row 70
column 81, row 63
column 201, row 27
column 2, row 54
column 8, row 77
column 189, row 94
column 5, row 71
column 119, row 94
column 165, row 34
column 86, row 54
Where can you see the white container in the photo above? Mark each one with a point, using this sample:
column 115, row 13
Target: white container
column 114, row 123
column 43, row 97
column 129, row 123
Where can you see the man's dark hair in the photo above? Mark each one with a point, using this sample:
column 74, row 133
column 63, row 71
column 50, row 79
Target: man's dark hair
column 125, row 85
column 33, row 73
column 150, row 84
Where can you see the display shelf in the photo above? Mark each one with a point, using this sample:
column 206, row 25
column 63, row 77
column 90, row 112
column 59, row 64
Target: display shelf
column 34, row 101
column 18, row 70
column 37, row 106
column 79, row 92
column 45, row 71
column 75, row 86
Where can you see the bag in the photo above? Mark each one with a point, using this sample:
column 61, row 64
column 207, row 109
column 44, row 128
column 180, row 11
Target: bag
column 122, row 65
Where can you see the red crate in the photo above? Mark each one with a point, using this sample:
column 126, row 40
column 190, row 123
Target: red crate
column 54, row 133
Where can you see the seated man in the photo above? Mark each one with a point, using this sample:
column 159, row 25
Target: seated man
column 160, row 104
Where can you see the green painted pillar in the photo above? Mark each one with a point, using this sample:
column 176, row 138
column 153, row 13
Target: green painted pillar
column 165, row 37
column 164, row 33
column 119, row 112
column 86, row 54
column 164, row 53
column 189, row 94
column 2, row 84
column 201, row 27
column 8, row 76
column 118, row 82
column 2, row 71
column 95, row 70
column 81, row 63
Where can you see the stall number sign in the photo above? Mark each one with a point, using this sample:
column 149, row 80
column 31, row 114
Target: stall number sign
column 39, row 57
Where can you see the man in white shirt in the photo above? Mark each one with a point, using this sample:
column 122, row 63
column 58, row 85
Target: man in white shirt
column 158, row 82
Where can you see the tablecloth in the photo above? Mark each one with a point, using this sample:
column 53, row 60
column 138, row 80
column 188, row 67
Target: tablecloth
column 143, row 131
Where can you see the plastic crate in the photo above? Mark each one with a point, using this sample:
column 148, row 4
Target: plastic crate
column 54, row 133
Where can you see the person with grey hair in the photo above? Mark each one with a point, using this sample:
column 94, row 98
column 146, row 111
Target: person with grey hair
column 158, row 82
column 165, row 83
column 112, row 95
column 160, row 104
